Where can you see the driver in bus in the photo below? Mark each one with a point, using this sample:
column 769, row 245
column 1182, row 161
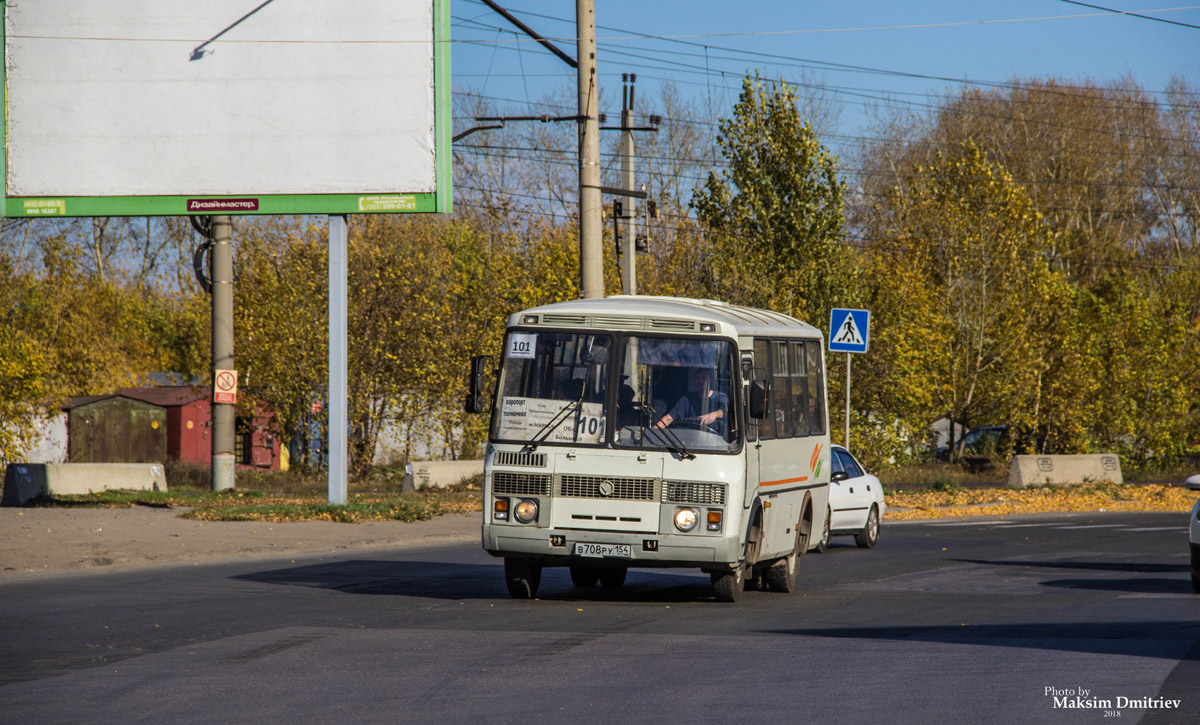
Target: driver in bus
column 704, row 405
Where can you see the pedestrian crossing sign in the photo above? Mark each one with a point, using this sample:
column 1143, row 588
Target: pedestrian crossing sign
column 849, row 330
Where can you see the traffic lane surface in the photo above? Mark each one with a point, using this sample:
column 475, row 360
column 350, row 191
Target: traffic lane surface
column 948, row 620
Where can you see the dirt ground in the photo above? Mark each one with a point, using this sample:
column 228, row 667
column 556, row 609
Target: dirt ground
column 37, row 542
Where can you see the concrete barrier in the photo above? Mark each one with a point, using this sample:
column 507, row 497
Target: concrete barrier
column 1026, row 471
column 25, row 481
column 427, row 474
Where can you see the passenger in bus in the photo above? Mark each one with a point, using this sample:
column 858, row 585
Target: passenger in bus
column 704, row 405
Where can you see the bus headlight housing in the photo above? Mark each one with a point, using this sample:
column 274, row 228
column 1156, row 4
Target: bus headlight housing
column 526, row 511
column 686, row 518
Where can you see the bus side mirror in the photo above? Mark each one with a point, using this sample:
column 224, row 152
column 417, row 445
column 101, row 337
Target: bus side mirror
column 760, row 394
column 475, row 401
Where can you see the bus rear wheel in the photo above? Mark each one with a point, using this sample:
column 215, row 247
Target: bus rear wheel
column 522, row 577
column 728, row 585
column 781, row 576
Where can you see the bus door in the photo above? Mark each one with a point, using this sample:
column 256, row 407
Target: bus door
column 751, row 449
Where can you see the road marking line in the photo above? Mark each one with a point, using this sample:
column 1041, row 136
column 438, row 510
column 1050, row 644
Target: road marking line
column 1027, row 526
column 1092, row 526
column 1162, row 528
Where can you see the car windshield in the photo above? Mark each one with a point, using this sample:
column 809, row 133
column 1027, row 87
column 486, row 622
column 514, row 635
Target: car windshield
column 553, row 388
column 676, row 394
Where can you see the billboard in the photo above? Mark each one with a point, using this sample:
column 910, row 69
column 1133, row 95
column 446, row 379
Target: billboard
column 174, row 107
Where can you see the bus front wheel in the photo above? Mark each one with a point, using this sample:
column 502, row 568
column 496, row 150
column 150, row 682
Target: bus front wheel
column 522, row 577
column 584, row 576
column 613, row 577
column 728, row 585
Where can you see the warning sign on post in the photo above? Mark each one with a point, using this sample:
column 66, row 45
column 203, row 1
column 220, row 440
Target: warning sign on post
column 225, row 386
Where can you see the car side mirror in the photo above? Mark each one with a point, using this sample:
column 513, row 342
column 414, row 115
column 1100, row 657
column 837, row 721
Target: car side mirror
column 760, row 393
column 1193, row 482
column 475, row 401
column 839, row 476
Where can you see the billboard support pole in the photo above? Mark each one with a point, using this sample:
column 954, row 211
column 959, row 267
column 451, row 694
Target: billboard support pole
column 338, row 418
column 223, row 463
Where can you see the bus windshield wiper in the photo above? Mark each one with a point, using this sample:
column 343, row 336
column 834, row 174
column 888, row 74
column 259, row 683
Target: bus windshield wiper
column 544, row 432
column 672, row 440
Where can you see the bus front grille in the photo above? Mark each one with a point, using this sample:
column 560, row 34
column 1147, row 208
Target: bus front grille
column 712, row 494
column 517, row 458
column 521, row 484
column 629, row 489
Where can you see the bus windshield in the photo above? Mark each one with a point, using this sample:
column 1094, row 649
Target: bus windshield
column 676, row 394
column 553, row 388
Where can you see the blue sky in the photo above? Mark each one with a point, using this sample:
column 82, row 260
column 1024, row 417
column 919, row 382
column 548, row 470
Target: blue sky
column 710, row 45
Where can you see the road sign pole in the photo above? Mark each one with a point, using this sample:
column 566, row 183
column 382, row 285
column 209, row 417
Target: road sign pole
column 847, row 438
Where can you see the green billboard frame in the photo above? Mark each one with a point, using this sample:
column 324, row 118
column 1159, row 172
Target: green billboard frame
column 398, row 202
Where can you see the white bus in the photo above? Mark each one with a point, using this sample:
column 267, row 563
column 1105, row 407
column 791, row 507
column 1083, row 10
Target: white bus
column 655, row 432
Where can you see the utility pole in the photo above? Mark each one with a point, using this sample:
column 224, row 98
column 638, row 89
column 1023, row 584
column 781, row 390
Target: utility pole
column 629, row 210
column 223, row 462
column 591, row 259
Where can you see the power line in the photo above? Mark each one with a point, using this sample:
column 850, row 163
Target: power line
column 819, row 64
column 1132, row 14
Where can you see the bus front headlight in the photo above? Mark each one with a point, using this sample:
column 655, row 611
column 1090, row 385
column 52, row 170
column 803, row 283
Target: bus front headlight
column 686, row 519
column 526, row 511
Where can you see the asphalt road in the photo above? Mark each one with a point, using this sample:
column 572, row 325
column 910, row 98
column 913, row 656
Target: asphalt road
column 976, row 621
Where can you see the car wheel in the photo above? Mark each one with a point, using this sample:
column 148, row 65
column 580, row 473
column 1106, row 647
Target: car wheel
column 870, row 534
column 727, row 585
column 1196, row 568
column 522, row 577
column 584, row 576
column 613, row 577
column 823, row 544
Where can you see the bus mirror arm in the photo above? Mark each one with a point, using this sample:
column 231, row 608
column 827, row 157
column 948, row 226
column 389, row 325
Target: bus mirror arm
column 475, row 402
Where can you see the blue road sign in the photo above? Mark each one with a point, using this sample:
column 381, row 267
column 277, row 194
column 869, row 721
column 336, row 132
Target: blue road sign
column 849, row 330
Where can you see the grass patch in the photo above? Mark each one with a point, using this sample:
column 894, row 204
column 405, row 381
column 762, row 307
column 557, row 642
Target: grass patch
column 948, row 475
column 357, row 509
column 285, row 497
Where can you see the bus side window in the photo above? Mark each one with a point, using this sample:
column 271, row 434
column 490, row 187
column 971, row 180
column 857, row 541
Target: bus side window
column 766, row 429
column 816, row 388
column 800, row 406
column 781, row 395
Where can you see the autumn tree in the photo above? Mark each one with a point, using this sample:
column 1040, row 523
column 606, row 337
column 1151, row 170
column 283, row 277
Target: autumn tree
column 775, row 213
column 964, row 297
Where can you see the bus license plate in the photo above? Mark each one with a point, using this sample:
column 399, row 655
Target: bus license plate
column 602, row 550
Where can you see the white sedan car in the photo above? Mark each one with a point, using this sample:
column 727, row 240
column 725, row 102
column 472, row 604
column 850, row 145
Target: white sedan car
column 855, row 502
column 1194, row 534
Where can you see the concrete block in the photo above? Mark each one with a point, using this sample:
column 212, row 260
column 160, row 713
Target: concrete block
column 444, row 473
column 26, row 481
column 1026, row 471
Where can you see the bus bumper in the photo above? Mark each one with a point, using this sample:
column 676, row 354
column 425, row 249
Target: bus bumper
column 556, row 547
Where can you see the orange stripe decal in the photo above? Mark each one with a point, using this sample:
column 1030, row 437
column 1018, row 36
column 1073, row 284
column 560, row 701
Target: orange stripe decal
column 781, row 482
column 812, row 464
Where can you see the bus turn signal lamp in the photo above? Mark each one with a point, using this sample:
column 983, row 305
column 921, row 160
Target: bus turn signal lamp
column 714, row 520
column 501, row 511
